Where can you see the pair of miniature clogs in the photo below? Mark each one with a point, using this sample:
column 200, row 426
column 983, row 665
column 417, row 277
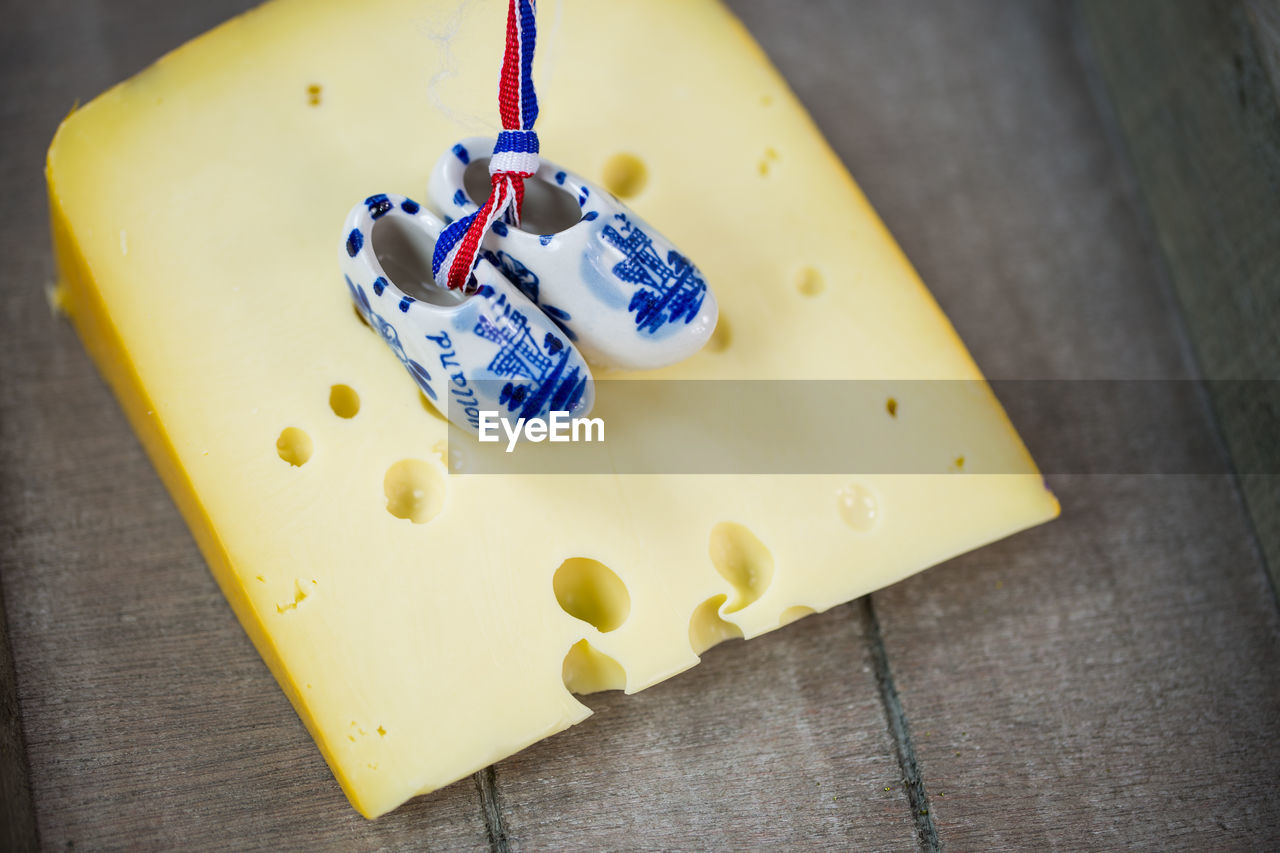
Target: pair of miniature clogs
column 583, row 279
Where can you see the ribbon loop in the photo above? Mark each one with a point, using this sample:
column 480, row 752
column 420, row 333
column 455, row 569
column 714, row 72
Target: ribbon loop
column 515, row 154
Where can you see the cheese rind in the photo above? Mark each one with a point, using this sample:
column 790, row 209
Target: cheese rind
column 194, row 213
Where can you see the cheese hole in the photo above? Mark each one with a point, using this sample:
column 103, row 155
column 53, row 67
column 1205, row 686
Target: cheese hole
column 547, row 208
column 793, row 614
column 707, row 628
column 721, row 337
column 313, row 94
column 809, row 282
column 299, row 596
column 625, row 175
column 742, row 560
column 415, row 490
column 344, row 401
column 589, row 590
column 858, row 507
column 586, row 670
column 891, row 406
column 294, row 446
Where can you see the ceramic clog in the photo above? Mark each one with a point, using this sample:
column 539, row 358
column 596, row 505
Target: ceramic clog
column 487, row 350
column 622, row 293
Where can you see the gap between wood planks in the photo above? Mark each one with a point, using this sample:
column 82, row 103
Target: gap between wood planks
column 900, row 731
column 487, row 786
column 895, row 718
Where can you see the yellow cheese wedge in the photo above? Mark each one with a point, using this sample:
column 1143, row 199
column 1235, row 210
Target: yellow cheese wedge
column 426, row 624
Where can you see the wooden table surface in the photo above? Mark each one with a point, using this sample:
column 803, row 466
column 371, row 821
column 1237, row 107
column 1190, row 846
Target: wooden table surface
column 1107, row 681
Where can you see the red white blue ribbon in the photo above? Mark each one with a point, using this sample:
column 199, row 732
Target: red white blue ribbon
column 515, row 155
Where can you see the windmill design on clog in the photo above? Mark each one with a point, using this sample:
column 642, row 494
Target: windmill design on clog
column 625, row 295
column 489, row 349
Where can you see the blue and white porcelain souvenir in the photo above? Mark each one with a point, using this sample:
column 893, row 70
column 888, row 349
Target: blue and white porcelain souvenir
column 486, row 349
column 619, row 290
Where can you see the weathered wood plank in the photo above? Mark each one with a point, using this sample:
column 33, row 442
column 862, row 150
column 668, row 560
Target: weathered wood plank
column 17, row 811
column 1193, row 86
column 150, row 721
column 1108, row 681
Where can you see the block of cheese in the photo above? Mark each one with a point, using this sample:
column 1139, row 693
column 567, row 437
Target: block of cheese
column 425, row 624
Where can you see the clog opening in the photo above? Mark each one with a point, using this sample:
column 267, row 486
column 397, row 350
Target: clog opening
column 404, row 251
column 548, row 209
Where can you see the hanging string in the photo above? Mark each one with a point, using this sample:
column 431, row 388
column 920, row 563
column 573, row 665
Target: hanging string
column 515, row 155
